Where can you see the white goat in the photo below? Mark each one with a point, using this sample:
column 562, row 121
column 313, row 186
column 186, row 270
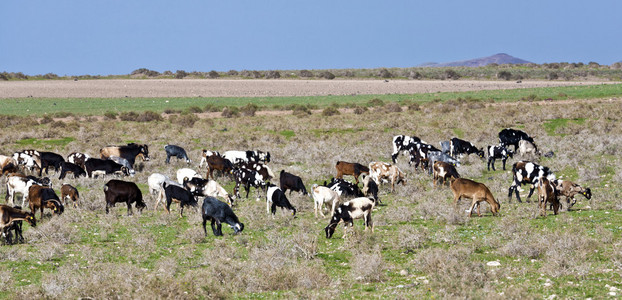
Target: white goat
column 321, row 195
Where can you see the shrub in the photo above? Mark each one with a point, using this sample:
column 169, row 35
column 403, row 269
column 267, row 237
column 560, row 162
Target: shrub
column 233, row 73
column 57, row 124
column 4, row 76
column 148, row 116
column 187, row 120
column 110, row 115
column 392, row 107
column 230, row 112
column 552, row 76
column 194, row 109
column 213, row 74
column 167, row 73
column 305, row 73
column 414, row 106
column 169, row 111
column 211, row 108
column 249, row 110
column 375, row 102
column 384, row 73
column 360, row 110
column 300, row 111
column 451, row 74
column 46, row 119
column 180, row 74
column 250, row 74
column 414, row 75
column 273, row 75
column 348, row 73
column 128, row 116
column 327, row 75
column 505, row 75
column 330, row 111
column 50, row 76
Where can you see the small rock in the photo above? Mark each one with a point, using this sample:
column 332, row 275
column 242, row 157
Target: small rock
column 403, row 272
column 494, row 263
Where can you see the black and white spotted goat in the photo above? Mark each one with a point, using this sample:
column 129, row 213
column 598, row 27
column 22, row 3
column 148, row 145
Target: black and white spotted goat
column 247, row 178
column 511, row 136
column 236, row 157
column 275, row 197
column 526, row 172
column 498, row 152
column 344, row 188
column 403, row 143
column 458, row 146
column 356, row 208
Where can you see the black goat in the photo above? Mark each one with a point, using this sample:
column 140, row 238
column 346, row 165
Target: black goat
column 291, row 182
column 219, row 212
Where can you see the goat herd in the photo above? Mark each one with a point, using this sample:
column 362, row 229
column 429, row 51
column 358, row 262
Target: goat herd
column 249, row 169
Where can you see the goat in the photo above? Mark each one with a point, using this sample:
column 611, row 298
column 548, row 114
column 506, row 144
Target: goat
column 207, row 187
column 176, row 151
column 9, row 215
column 219, row 212
column 68, row 192
column 526, row 147
column 291, row 182
column 380, row 172
column 123, row 191
column 496, row 152
column 275, row 197
column 218, row 163
column 354, row 209
column 570, row 189
column 185, row 173
column 476, row 191
column 205, row 154
column 444, row 172
column 370, row 189
column 321, row 195
column 527, row 172
column 547, row 193
column 347, row 168
column 177, row 194
column 40, row 197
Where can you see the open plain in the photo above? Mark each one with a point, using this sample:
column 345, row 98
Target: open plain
column 421, row 246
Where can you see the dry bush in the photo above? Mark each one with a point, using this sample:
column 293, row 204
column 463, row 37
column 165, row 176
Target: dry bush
column 273, row 75
column 375, row 102
column 305, row 73
column 230, row 112
column 249, row 110
column 330, row 111
column 46, row 120
column 128, row 116
column 392, row 107
column 185, row 120
column 368, row 266
column 148, row 116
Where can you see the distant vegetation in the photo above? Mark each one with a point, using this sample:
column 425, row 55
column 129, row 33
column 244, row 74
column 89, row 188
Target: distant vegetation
column 546, row 71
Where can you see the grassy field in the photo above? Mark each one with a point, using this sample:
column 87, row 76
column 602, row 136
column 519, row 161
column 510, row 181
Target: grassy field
column 60, row 106
column 421, row 246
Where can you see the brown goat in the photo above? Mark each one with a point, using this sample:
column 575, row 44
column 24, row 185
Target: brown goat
column 547, row 193
column 68, row 192
column 476, row 191
column 354, row 169
column 570, row 189
column 40, row 197
column 445, row 172
column 215, row 162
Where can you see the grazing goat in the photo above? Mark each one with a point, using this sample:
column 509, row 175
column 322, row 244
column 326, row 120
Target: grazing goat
column 547, row 193
column 129, row 152
column 434, row 156
column 526, row 172
column 291, row 182
column 247, row 178
column 68, row 192
column 179, row 195
column 445, row 172
column 50, row 159
column 321, row 195
column 236, row 157
column 570, row 189
column 381, row 172
column 186, row 174
column 511, row 136
column 403, row 143
column 344, row 188
column 370, row 189
column 96, row 167
column 176, row 151
column 459, row 146
column 347, row 168
column 29, row 159
column 354, row 209
column 205, row 154
column 6, row 160
column 155, row 182
column 207, row 187
column 526, row 147
column 119, row 191
column 498, row 152
column 217, row 163
column 275, row 197
column 219, row 212
column 40, row 197
column 478, row 192
column 9, row 215
column 124, row 162
column 16, row 227
column 10, row 168
column 67, row 167
column 17, row 183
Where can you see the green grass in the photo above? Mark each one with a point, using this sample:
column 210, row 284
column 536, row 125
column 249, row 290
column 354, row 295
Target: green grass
column 45, row 143
column 98, row 106
column 551, row 126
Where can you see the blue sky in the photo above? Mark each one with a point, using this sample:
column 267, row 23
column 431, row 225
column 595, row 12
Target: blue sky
column 75, row 37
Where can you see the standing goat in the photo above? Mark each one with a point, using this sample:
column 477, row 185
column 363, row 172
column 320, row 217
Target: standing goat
column 356, row 208
column 321, row 195
column 478, row 192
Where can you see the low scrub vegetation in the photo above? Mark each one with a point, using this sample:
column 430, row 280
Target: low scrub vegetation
column 421, row 246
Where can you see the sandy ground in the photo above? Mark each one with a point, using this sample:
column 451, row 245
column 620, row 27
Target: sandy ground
column 250, row 88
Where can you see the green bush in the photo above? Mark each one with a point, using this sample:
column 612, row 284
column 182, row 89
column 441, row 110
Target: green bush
column 46, row 119
column 213, row 74
column 184, row 120
column 305, row 73
column 230, row 112
column 330, row 111
column 128, row 116
column 249, row 110
column 300, row 110
column 194, row 109
column 180, row 74
column 505, row 75
column 375, row 102
column 110, row 115
column 360, row 110
column 273, row 75
column 327, row 75
column 148, row 116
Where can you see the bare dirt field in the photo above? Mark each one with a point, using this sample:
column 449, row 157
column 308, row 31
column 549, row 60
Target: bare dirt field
column 251, row 88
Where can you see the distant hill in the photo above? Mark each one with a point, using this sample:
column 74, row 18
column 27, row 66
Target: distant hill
column 500, row 59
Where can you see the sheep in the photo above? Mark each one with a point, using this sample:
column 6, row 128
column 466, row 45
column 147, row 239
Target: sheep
column 354, row 209
column 476, row 191
column 219, row 212
column 321, row 195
